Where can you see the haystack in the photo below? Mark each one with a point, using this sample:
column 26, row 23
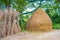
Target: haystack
column 39, row 21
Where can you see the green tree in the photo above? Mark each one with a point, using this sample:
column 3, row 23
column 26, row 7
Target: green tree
column 10, row 18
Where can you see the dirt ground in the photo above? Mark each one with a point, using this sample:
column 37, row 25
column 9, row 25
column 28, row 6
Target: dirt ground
column 51, row 35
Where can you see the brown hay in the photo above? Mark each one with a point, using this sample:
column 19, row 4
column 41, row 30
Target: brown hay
column 39, row 21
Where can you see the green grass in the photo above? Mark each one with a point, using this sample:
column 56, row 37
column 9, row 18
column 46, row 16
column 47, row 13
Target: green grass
column 56, row 26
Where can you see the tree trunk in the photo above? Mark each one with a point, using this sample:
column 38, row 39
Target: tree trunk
column 9, row 22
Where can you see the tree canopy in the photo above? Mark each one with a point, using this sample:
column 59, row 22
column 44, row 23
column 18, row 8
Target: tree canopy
column 17, row 4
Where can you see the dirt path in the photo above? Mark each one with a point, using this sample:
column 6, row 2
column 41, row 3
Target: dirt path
column 53, row 35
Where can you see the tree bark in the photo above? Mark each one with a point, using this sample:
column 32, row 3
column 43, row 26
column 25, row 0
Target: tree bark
column 9, row 22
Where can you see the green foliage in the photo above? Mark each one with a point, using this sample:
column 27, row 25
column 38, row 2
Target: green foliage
column 56, row 26
column 51, row 7
column 52, row 10
column 24, row 20
column 19, row 5
column 57, row 1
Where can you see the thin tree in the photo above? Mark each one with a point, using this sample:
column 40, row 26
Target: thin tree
column 9, row 17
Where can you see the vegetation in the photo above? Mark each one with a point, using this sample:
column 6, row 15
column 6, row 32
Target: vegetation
column 27, row 7
column 9, row 17
column 52, row 7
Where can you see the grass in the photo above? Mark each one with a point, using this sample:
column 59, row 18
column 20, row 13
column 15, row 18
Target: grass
column 56, row 26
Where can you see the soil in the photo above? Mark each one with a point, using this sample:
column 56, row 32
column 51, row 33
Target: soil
column 50, row 35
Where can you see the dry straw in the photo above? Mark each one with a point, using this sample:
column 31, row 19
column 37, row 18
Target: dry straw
column 39, row 21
